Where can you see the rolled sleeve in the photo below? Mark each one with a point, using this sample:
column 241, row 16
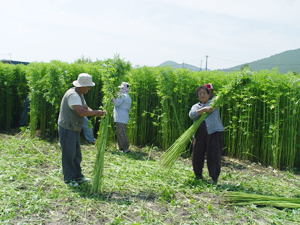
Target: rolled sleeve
column 193, row 114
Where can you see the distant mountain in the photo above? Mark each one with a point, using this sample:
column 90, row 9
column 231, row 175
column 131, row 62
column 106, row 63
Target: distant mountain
column 285, row 62
column 176, row 65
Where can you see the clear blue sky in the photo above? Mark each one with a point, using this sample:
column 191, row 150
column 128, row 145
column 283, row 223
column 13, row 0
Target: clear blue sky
column 149, row 32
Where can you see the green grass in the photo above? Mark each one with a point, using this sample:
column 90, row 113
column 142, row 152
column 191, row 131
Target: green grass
column 135, row 189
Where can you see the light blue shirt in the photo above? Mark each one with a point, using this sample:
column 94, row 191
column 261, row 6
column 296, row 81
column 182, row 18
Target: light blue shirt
column 122, row 108
column 213, row 120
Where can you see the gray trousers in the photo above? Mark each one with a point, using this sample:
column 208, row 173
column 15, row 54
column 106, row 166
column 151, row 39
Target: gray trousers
column 71, row 154
column 122, row 136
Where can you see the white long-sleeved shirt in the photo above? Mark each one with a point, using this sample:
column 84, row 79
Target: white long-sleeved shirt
column 121, row 108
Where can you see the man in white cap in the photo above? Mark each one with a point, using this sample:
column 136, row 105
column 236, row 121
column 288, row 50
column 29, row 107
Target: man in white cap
column 73, row 109
column 121, row 116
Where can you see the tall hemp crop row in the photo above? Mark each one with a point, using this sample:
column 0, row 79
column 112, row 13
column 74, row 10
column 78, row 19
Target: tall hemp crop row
column 143, row 126
column 48, row 82
column 13, row 91
column 261, row 119
column 174, row 90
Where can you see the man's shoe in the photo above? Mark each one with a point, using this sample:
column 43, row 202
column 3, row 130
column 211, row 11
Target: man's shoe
column 199, row 177
column 215, row 181
column 94, row 142
column 126, row 151
column 84, row 179
column 72, row 183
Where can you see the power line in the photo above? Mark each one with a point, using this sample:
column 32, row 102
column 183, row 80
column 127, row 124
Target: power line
column 226, row 59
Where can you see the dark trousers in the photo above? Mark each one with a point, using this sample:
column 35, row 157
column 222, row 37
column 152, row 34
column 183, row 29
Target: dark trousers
column 121, row 129
column 212, row 145
column 71, row 154
column 25, row 111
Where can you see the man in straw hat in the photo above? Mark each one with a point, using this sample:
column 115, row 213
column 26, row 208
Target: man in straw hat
column 73, row 109
column 121, row 116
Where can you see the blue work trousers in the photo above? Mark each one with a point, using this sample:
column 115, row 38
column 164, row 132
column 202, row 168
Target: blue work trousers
column 87, row 131
column 71, row 154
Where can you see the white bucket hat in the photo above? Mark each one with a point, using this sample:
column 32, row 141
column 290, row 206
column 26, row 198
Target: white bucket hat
column 83, row 80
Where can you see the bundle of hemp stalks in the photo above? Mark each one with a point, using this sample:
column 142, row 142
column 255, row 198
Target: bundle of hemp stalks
column 101, row 146
column 241, row 198
column 168, row 159
column 110, row 81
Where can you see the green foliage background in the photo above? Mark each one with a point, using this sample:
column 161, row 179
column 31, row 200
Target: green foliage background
column 261, row 119
column 13, row 90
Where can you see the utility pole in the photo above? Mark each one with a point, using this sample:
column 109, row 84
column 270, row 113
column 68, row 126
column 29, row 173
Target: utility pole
column 200, row 65
column 206, row 62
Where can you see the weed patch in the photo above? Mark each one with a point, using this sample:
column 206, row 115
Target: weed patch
column 135, row 189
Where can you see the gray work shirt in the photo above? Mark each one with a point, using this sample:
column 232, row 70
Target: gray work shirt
column 213, row 120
